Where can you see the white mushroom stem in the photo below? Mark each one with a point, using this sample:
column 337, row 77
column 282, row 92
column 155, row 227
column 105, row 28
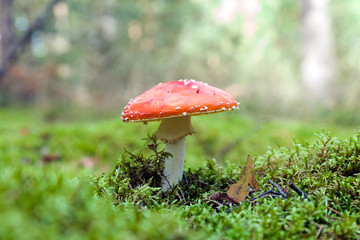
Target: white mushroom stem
column 173, row 131
column 174, row 166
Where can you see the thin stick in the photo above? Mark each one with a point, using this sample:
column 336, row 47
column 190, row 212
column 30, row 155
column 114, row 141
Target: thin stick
column 319, row 231
column 193, row 177
column 164, row 177
column 185, row 178
column 334, row 211
column 278, row 188
column 117, row 173
column 265, row 193
column 230, row 181
column 298, row 190
column 182, row 194
column 98, row 188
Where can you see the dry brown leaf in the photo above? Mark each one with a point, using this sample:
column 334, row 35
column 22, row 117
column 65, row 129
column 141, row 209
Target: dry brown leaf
column 222, row 199
column 240, row 190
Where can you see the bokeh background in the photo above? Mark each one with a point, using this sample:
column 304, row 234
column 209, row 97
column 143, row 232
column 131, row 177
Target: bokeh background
column 68, row 68
column 295, row 59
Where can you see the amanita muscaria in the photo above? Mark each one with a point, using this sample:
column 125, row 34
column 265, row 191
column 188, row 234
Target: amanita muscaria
column 174, row 103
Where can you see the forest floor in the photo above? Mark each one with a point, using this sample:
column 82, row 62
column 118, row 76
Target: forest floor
column 73, row 179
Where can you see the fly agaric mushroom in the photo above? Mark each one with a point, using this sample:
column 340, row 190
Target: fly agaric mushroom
column 174, row 103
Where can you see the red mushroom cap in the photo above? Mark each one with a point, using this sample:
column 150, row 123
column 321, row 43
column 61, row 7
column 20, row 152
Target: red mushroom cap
column 178, row 98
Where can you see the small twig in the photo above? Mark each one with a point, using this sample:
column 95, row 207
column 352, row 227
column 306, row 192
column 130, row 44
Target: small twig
column 278, row 188
column 214, row 202
column 164, row 177
column 334, row 219
column 178, row 195
column 182, row 194
column 270, row 193
column 263, row 194
column 185, row 178
column 319, row 231
column 196, row 179
column 117, row 173
column 334, row 211
column 230, row 181
column 101, row 189
column 298, row 190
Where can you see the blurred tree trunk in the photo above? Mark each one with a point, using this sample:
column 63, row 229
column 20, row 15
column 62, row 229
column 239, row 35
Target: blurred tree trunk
column 6, row 27
column 14, row 49
column 318, row 57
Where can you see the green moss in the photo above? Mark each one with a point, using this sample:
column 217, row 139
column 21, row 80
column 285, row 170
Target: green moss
column 326, row 170
column 137, row 178
column 329, row 166
column 59, row 200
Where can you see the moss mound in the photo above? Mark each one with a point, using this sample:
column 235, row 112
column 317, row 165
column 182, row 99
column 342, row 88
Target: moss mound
column 328, row 171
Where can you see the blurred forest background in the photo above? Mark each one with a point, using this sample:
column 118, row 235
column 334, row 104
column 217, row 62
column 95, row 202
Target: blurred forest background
column 297, row 59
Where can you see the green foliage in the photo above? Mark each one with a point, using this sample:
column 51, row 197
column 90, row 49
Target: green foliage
column 327, row 170
column 41, row 203
column 65, row 200
column 142, row 170
column 329, row 167
column 137, row 179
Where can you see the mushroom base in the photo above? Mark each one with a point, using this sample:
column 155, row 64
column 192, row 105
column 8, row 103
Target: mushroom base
column 174, row 166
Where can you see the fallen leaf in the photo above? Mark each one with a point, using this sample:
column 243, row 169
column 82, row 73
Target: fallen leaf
column 222, row 199
column 240, row 190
